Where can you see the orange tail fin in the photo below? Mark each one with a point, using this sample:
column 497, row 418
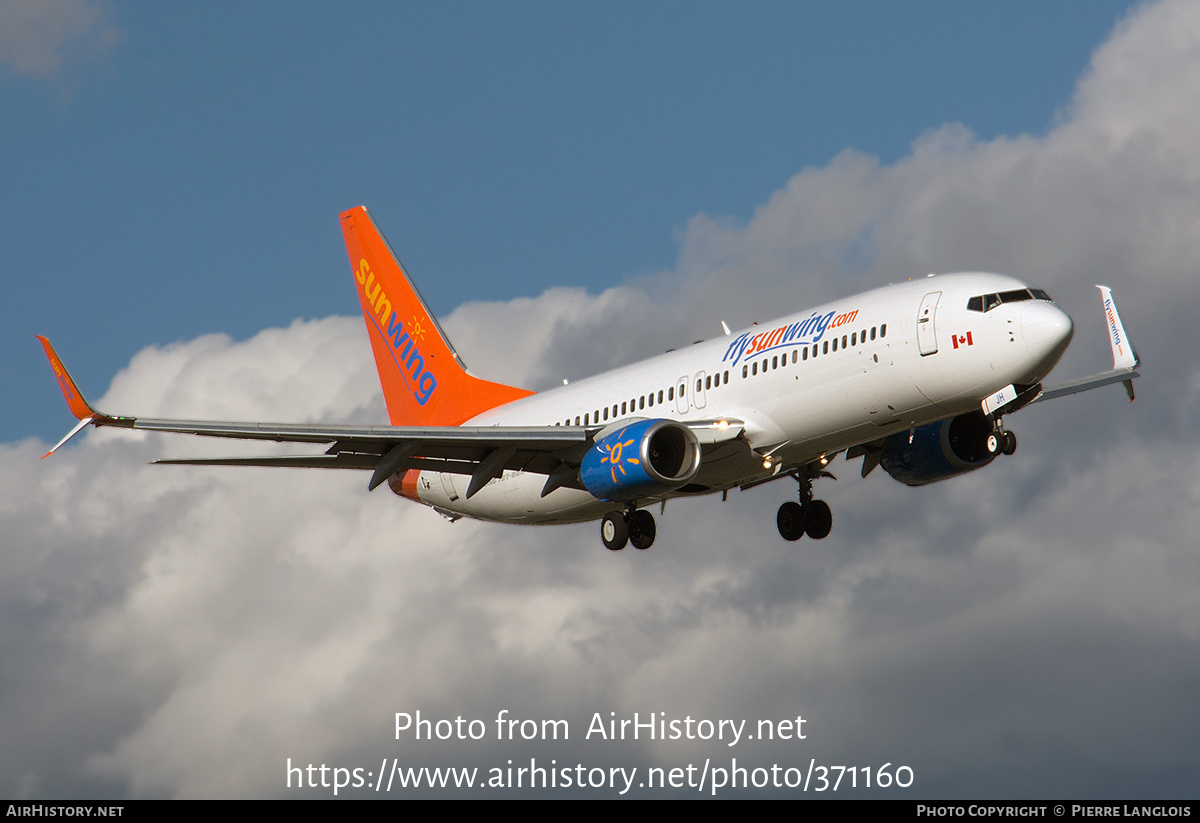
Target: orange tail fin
column 424, row 382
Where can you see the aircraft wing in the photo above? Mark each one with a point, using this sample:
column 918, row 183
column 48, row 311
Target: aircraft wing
column 1107, row 378
column 482, row 452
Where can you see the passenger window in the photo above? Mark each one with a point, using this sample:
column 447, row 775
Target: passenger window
column 660, row 396
column 825, row 348
column 576, row 420
column 805, row 355
column 726, row 377
column 872, row 332
column 843, row 341
column 835, row 344
column 585, row 420
column 883, row 330
column 641, row 402
column 671, row 393
column 744, row 370
column 754, row 367
column 775, row 362
column 606, row 412
column 854, row 339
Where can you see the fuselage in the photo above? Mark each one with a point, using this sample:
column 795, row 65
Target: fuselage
column 807, row 385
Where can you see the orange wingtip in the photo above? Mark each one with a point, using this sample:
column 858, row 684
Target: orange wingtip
column 79, row 407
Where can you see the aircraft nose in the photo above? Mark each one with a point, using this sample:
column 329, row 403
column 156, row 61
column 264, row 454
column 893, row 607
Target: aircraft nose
column 1046, row 329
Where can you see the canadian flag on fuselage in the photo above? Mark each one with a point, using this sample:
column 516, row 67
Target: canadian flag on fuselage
column 962, row 340
column 424, row 382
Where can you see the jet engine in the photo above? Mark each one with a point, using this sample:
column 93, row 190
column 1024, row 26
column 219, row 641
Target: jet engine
column 940, row 450
column 641, row 459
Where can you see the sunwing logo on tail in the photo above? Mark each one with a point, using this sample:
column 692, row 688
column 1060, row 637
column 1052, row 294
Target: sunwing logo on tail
column 420, row 381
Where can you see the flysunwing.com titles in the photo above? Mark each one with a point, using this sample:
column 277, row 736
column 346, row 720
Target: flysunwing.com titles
column 708, row 777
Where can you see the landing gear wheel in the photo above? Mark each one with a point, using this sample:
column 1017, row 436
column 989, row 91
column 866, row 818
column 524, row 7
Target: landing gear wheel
column 1010, row 443
column 790, row 521
column 641, row 529
column 993, row 443
column 614, row 531
column 818, row 519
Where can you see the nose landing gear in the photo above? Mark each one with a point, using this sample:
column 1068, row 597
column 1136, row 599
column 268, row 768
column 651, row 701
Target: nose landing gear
column 1001, row 440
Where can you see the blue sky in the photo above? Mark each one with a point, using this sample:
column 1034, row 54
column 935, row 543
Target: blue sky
column 180, row 171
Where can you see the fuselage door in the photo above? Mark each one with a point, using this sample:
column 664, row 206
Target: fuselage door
column 926, row 334
column 681, row 401
column 698, row 398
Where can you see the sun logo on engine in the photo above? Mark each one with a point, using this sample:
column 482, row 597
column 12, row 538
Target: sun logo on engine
column 613, row 458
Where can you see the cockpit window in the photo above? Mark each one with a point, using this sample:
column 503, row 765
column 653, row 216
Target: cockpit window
column 1015, row 296
column 987, row 302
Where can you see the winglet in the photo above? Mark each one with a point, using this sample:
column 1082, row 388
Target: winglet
column 1124, row 356
column 75, row 399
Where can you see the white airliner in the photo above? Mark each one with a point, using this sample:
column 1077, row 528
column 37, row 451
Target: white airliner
column 914, row 377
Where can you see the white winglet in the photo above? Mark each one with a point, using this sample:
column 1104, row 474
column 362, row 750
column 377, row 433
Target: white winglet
column 1124, row 357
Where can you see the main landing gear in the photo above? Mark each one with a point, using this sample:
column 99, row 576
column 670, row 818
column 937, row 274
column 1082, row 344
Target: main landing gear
column 811, row 517
column 634, row 526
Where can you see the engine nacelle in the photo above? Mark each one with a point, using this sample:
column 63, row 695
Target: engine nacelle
column 939, row 450
column 640, row 460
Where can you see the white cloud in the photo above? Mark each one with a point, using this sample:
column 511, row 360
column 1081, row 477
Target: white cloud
column 1028, row 630
column 39, row 38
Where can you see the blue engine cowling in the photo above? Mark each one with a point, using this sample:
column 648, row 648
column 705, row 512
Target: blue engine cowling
column 939, row 450
column 640, row 460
